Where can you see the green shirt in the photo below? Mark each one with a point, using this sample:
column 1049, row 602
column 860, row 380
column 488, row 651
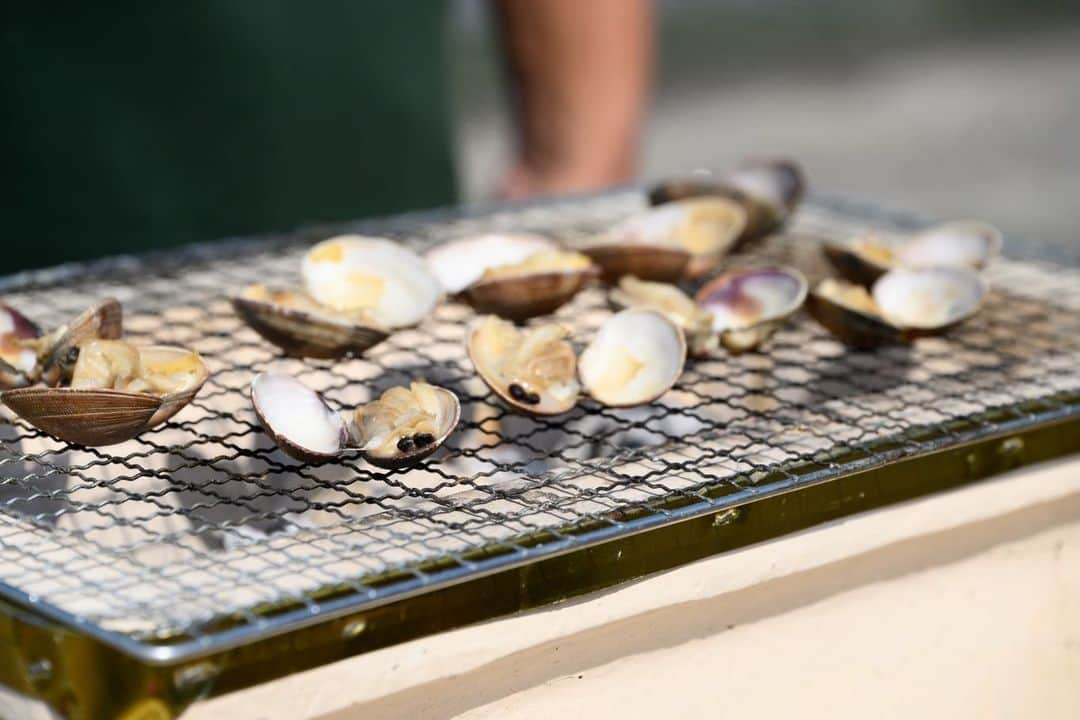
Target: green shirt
column 138, row 125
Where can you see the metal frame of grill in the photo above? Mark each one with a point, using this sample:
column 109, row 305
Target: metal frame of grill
column 201, row 541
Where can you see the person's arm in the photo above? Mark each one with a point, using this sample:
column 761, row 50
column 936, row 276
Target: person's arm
column 581, row 71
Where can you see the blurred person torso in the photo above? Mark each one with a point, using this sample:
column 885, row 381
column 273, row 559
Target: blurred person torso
column 135, row 125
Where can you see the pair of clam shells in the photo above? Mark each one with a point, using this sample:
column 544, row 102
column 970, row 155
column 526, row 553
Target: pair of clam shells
column 925, row 284
column 696, row 221
column 304, row 427
column 465, row 269
column 635, row 357
column 98, row 416
column 739, row 309
column 357, row 290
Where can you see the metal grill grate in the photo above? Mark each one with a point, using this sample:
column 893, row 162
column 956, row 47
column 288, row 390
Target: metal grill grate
column 199, row 527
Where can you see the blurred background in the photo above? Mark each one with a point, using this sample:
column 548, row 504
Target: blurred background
column 947, row 108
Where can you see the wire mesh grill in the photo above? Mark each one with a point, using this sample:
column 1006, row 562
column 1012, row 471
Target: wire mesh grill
column 202, row 524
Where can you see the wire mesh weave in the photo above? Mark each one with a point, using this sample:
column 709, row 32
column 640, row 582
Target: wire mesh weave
column 203, row 518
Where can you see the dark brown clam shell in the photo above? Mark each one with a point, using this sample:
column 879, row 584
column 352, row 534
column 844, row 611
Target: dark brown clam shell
column 647, row 262
column 853, row 266
column 857, row 329
column 522, row 297
column 84, row 417
column 96, row 416
column 303, row 334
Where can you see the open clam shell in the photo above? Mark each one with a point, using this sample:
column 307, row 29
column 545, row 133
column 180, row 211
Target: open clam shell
column 533, row 370
column 905, row 304
column 635, row 357
column 94, row 417
column 966, row 244
column 304, row 427
column 104, row 320
column 351, row 273
column 532, row 292
column 769, row 190
column 457, row 264
column 444, row 412
column 302, row 331
column 695, row 321
column 748, row 305
column 704, row 228
column 297, row 419
column 18, row 361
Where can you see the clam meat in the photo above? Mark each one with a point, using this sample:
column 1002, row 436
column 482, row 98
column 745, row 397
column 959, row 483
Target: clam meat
column 634, row 358
column 28, row 357
column 747, row 306
column 532, row 369
column 116, row 390
column 695, row 321
column 403, row 426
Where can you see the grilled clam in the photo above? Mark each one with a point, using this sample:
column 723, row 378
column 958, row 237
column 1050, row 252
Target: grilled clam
column 537, row 285
column 747, row 306
column 302, row 327
column 532, row 369
column 402, row 427
column 457, row 264
column 696, row 322
column 769, row 190
column 28, row 357
column 357, row 291
column 904, row 304
column 116, row 390
column 635, row 357
column 964, row 243
column 688, row 237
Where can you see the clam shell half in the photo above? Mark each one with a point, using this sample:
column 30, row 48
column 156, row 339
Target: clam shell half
column 521, row 297
column 98, row 416
column 769, row 190
column 635, row 357
column 748, row 305
column 484, row 353
column 306, row 334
